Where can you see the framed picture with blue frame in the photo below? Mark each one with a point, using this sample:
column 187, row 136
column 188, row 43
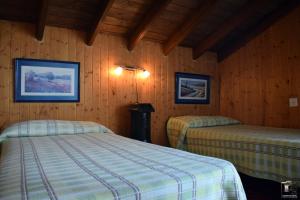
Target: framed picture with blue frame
column 46, row 81
column 192, row 88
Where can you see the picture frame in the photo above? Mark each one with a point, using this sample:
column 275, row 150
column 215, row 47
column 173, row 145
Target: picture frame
column 192, row 88
column 46, row 81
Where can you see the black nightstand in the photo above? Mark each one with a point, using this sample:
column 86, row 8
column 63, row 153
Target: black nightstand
column 141, row 121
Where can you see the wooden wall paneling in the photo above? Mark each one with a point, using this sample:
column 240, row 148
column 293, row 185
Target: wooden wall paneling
column 104, row 92
column 227, row 92
column 150, row 82
column 184, row 66
column 264, row 60
column 133, row 58
column 171, row 81
column 5, row 42
column 122, row 56
column 142, row 89
column 72, row 57
column 147, row 83
column 180, row 68
column 80, row 46
column 112, row 83
column 88, row 83
column 126, row 96
column 24, row 35
column 44, row 46
column 120, row 84
column 187, row 65
column 157, row 116
column 215, row 84
column 236, row 90
column 121, row 87
column 15, row 52
column 54, row 54
column 65, row 110
column 25, row 108
column 216, row 90
column 241, row 92
column 293, row 59
column 152, row 67
column 60, row 53
column 72, row 44
column 104, row 97
column 32, row 51
column 177, row 68
column 45, row 53
column 96, row 82
column 136, row 60
column 265, row 74
column 165, row 114
column 252, row 90
column 278, row 86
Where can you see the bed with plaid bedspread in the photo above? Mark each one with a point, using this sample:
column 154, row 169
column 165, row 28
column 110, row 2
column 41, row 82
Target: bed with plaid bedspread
column 102, row 165
column 262, row 152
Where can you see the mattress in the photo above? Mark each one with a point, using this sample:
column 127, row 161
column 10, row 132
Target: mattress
column 108, row 166
column 262, row 152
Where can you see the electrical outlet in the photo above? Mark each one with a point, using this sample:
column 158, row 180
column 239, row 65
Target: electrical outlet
column 293, row 102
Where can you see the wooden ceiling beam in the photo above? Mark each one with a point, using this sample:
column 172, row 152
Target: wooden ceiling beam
column 41, row 22
column 227, row 27
column 191, row 22
column 105, row 6
column 268, row 21
column 142, row 28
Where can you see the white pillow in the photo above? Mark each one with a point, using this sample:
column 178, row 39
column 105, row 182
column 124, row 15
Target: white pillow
column 52, row 127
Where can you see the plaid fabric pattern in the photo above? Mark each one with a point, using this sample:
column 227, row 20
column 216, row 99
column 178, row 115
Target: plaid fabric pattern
column 107, row 166
column 262, row 152
column 178, row 126
column 51, row 127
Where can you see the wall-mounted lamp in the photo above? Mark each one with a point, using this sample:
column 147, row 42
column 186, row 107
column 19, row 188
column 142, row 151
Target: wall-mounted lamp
column 143, row 73
column 118, row 71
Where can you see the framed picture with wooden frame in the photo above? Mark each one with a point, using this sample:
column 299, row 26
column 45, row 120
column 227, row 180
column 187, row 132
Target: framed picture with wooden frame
column 192, row 88
column 46, row 81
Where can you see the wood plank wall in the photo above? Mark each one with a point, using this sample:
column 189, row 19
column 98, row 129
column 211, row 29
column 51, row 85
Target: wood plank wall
column 104, row 97
column 258, row 80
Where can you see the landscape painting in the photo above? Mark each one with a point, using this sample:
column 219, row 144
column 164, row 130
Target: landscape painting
column 40, row 80
column 192, row 88
column 47, row 81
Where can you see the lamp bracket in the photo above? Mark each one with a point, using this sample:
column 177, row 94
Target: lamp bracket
column 131, row 68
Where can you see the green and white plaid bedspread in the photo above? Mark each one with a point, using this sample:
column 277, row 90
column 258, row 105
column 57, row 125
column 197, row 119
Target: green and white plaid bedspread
column 107, row 166
column 263, row 152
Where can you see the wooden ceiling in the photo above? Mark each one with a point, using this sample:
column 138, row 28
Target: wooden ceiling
column 221, row 26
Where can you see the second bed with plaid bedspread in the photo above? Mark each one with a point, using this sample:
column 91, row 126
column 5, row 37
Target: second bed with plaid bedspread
column 262, row 152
